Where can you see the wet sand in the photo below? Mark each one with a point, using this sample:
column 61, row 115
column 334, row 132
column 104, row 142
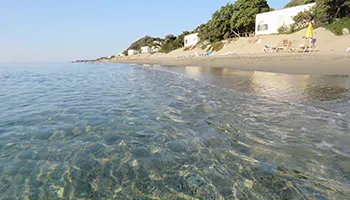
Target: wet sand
column 298, row 63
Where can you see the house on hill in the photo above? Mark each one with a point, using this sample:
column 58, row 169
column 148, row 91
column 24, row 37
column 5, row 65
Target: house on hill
column 269, row 22
column 145, row 49
column 191, row 40
column 132, row 52
column 155, row 49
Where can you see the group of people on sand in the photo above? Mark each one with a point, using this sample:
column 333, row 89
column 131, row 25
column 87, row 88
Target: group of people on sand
column 287, row 45
column 305, row 47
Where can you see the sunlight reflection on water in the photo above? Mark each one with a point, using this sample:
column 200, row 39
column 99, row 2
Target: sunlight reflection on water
column 137, row 132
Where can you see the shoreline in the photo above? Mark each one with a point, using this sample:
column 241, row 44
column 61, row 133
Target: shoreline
column 287, row 63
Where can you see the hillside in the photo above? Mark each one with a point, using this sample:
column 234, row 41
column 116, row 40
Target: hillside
column 293, row 3
column 144, row 41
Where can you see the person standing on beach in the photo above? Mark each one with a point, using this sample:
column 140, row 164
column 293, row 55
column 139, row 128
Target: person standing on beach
column 309, row 34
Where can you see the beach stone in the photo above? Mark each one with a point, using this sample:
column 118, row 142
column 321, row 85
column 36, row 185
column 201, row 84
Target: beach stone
column 94, row 148
column 10, row 144
column 140, row 152
column 77, row 131
column 346, row 31
column 112, row 139
column 177, row 146
column 43, row 135
column 26, row 155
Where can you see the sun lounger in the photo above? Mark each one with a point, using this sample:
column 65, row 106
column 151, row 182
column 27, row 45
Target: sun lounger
column 208, row 53
column 284, row 45
column 196, row 54
column 306, row 46
column 228, row 53
column 267, row 49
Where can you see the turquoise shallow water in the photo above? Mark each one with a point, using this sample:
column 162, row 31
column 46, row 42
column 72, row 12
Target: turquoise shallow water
column 104, row 131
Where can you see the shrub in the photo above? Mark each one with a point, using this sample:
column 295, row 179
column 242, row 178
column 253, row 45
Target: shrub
column 187, row 48
column 204, row 47
column 338, row 25
column 284, row 30
column 301, row 20
column 195, row 46
column 217, row 46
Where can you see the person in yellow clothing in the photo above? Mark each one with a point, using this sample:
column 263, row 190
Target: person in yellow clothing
column 310, row 34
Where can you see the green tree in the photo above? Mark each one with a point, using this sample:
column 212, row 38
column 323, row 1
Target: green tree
column 232, row 19
column 243, row 19
column 180, row 40
column 144, row 41
column 172, row 42
column 219, row 27
column 326, row 11
column 293, row 3
column 333, row 14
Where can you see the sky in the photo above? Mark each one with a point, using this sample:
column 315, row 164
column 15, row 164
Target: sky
column 66, row 30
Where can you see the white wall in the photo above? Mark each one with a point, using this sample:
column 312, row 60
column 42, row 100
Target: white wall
column 191, row 40
column 145, row 49
column 278, row 18
column 155, row 49
column 132, row 52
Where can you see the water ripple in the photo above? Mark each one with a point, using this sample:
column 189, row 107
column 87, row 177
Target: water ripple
column 130, row 132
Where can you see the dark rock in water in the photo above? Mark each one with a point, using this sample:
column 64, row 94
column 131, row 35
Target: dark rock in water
column 83, row 189
column 177, row 146
column 142, row 135
column 26, row 155
column 112, row 139
column 140, row 152
column 88, row 138
column 43, row 154
column 94, row 148
column 77, row 131
column 136, row 143
column 43, row 135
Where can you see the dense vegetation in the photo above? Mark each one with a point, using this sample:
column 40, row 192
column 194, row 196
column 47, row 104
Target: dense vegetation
column 168, row 44
column 293, row 3
column 325, row 13
column 172, row 42
column 232, row 20
column 337, row 26
column 144, row 41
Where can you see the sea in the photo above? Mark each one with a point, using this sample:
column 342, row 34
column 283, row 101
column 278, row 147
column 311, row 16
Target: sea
column 116, row 131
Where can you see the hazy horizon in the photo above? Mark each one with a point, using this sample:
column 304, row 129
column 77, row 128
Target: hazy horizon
column 40, row 31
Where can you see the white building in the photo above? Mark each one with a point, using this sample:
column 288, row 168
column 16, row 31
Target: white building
column 145, row 49
column 157, row 43
column 132, row 52
column 155, row 49
column 269, row 22
column 191, row 39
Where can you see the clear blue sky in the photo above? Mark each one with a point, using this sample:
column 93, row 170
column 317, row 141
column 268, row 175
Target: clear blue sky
column 63, row 30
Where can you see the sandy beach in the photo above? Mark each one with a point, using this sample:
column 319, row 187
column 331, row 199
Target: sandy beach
column 310, row 64
column 329, row 56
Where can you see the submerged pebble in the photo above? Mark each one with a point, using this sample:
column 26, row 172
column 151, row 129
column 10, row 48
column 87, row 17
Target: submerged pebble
column 26, row 155
column 140, row 152
column 177, row 146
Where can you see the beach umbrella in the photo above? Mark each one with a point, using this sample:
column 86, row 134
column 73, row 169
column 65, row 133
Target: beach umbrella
column 309, row 32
